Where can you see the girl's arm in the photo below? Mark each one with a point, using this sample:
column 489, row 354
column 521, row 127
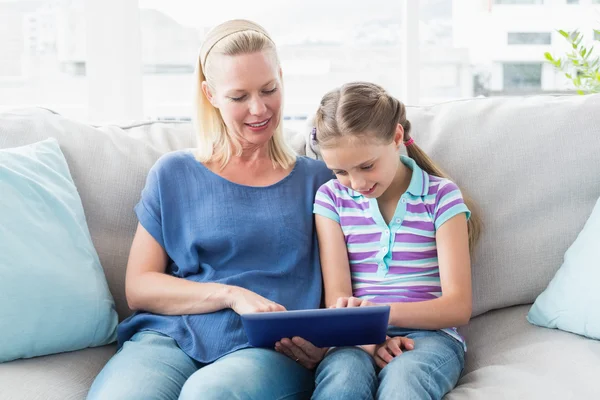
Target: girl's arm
column 149, row 288
column 453, row 308
column 334, row 260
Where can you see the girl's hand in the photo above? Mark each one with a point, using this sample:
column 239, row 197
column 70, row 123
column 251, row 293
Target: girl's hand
column 244, row 301
column 384, row 353
column 301, row 351
column 346, row 302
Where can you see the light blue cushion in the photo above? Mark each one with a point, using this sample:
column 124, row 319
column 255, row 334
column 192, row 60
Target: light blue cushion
column 53, row 293
column 572, row 299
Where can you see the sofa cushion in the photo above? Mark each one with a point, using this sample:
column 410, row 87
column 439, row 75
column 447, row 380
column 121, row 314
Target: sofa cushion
column 65, row 376
column 53, row 293
column 531, row 165
column 572, row 298
column 109, row 167
column 508, row 358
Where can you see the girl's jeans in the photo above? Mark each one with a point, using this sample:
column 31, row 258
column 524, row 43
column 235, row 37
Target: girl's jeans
column 429, row 371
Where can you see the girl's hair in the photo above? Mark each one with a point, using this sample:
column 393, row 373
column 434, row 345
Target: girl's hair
column 365, row 111
column 215, row 142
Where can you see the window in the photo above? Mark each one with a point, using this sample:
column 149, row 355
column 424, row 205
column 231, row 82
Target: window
column 43, row 56
column 597, row 35
column 321, row 45
column 572, row 1
column 522, row 77
column 529, row 38
column 93, row 66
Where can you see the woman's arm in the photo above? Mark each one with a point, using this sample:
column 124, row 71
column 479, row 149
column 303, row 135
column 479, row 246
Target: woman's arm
column 334, row 260
column 336, row 277
column 149, row 288
column 453, row 308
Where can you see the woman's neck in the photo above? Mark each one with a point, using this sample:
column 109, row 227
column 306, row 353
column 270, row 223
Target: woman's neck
column 252, row 154
column 253, row 167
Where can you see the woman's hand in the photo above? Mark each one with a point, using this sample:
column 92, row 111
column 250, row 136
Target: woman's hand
column 346, row 302
column 301, row 351
column 244, row 301
column 384, row 353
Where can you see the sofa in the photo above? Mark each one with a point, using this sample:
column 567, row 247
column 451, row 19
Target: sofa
column 531, row 163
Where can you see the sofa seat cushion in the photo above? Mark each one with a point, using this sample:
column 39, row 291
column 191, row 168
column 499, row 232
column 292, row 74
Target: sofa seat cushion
column 64, row 376
column 508, row 358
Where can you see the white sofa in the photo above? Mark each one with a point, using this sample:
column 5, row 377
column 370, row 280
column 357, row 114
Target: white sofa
column 531, row 163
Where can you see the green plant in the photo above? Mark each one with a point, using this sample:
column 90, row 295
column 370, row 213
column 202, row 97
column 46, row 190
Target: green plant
column 577, row 65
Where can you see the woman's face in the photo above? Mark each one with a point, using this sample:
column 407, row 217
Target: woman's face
column 247, row 90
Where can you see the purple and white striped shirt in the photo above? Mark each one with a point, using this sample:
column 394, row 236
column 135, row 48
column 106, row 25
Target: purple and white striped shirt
column 396, row 262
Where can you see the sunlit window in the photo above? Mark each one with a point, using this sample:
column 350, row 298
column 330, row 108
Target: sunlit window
column 135, row 59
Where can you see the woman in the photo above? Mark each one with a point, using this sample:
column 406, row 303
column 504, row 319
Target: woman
column 224, row 230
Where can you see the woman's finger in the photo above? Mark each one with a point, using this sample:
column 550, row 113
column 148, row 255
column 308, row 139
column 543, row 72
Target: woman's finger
column 277, row 307
column 298, row 355
column 285, row 350
column 314, row 353
column 295, row 350
column 307, row 347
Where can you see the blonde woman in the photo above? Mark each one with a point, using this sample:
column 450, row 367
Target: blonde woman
column 224, row 230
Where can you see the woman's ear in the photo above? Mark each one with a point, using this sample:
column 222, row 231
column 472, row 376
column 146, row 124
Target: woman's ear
column 399, row 136
column 208, row 93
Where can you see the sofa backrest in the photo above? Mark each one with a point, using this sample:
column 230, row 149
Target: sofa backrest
column 532, row 164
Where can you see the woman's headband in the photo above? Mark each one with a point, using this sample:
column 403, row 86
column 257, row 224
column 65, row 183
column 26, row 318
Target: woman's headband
column 225, row 29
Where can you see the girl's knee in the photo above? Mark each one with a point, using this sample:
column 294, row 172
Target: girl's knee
column 346, row 366
column 420, row 374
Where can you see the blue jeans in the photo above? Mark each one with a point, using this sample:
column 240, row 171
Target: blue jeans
column 152, row 366
column 429, row 371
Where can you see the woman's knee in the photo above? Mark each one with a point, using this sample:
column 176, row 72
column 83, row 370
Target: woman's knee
column 149, row 366
column 250, row 374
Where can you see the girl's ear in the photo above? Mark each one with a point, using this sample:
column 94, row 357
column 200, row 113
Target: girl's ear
column 207, row 92
column 399, row 136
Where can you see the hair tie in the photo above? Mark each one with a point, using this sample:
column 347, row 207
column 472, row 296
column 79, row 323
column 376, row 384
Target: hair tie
column 313, row 135
column 409, row 142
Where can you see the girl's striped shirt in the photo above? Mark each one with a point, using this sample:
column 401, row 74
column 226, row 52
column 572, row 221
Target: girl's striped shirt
column 396, row 262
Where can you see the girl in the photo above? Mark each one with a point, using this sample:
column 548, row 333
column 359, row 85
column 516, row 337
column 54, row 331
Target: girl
column 392, row 230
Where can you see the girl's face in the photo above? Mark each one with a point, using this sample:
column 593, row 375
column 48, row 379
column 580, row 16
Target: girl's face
column 365, row 166
column 247, row 90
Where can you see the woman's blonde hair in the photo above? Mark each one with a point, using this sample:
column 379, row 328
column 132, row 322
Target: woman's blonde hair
column 215, row 142
column 364, row 111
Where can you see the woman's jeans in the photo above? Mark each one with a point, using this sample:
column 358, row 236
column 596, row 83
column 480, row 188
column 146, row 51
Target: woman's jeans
column 152, row 366
column 429, row 371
